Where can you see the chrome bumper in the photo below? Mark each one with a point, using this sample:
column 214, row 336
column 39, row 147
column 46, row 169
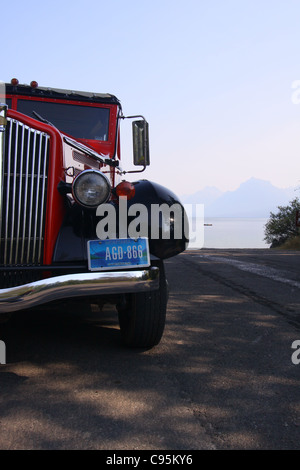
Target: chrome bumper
column 77, row 285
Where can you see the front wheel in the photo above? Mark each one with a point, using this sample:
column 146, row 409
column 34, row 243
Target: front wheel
column 142, row 315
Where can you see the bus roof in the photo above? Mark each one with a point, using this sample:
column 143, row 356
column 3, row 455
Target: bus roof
column 43, row 92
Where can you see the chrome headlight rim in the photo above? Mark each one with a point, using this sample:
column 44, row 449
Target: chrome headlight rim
column 79, row 179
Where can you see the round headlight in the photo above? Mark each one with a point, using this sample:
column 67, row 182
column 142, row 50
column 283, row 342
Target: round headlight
column 91, row 188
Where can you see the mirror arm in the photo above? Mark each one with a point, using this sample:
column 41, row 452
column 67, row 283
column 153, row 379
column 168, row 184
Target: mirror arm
column 135, row 171
column 133, row 117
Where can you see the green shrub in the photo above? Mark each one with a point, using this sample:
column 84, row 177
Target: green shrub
column 281, row 227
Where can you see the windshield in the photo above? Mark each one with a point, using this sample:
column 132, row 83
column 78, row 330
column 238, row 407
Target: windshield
column 83, row 122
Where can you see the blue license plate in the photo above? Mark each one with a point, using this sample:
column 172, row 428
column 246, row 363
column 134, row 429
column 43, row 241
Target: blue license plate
column 118, row 253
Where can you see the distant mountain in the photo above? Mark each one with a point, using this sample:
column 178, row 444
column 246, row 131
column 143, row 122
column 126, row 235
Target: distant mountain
column 205, row 196
column 253, row 198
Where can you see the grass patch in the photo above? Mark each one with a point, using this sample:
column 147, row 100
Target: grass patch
column 292, row 244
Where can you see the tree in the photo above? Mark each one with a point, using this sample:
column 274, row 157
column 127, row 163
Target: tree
column 282, row 225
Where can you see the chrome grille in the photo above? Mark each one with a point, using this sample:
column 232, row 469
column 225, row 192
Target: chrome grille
column 23, row 188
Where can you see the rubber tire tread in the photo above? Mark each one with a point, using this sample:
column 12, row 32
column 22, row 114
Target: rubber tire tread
column 142, row 325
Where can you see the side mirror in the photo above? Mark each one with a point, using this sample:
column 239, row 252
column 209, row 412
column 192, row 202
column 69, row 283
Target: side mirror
column 140, row 135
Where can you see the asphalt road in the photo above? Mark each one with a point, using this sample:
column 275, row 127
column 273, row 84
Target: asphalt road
column 221, row 378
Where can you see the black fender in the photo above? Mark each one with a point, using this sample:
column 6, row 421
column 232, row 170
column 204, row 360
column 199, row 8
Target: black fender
column 163, row 245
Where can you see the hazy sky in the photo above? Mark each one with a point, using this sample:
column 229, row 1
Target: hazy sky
column 214, row 78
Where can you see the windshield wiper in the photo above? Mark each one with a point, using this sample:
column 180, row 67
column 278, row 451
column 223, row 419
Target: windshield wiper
column 40, row 118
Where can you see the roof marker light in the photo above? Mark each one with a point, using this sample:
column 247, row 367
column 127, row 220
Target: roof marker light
column 14, row 81
column 34, row 84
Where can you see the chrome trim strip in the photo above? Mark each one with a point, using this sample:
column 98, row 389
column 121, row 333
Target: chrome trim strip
column 82, row 148
column 77, row 285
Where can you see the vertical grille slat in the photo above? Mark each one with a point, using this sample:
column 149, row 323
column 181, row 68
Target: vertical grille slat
column 12, row 192
column 23, row 188
column 22, row 258
column 7, row 161
column 43, row 203
column 20, row 195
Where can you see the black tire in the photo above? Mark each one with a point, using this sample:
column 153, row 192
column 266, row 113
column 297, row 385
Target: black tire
column 142, row 316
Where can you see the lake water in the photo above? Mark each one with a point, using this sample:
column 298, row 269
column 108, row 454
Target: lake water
column 230, row 233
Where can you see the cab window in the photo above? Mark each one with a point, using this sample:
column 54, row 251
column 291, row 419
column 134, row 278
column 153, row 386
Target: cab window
column 83, row 122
